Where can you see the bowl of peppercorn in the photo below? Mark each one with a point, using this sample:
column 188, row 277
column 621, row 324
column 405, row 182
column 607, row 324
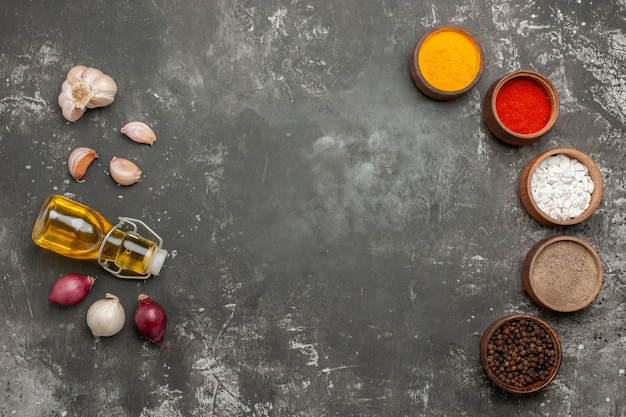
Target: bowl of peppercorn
column 521, row 107
column 520, row 353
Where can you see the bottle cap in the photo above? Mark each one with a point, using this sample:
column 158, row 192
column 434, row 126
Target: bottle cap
column 157, row 261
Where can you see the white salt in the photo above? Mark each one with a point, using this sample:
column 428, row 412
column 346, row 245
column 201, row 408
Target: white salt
column 561, row 187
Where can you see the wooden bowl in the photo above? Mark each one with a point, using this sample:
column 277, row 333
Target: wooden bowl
column 527, row 371
column 495, row 124
column 442, row 81
column 562, row 273
column 526, row 195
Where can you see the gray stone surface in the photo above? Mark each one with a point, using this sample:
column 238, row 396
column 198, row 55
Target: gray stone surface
column 338, row 241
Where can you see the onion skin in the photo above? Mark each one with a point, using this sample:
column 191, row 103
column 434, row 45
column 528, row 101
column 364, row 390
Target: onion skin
column 151, row 320
column 70, row 289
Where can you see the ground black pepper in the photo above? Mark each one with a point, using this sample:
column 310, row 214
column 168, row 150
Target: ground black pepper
column 521, row 353
column 564, row 275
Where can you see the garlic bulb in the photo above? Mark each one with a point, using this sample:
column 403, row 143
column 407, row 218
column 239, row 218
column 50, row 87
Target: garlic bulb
column 85, row 88
column 78, row 162
column 124, row 172
column 106, row 317
column 139, row 132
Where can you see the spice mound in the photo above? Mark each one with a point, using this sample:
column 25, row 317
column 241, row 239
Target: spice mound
column 450, row 59
column 562, row 187
column 523, row 105
column 522, row 355
column 565, row 276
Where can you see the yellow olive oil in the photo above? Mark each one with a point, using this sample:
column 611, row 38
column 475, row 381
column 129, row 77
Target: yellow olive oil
column 128, row 251
column 77, row 231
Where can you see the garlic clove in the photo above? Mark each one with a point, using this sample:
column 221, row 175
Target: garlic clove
column 124, row 172
column 69, row 110
column 78, row 162
column 66, row 88
column 139, row 132
column 101, row 99
column 75, row 74
column 104, row 89
column 90, row 75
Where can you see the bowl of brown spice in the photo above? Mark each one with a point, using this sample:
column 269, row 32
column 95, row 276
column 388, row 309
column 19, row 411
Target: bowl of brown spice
column 520, row 353
column 562, row 273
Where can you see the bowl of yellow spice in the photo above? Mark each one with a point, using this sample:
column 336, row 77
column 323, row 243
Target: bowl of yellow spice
column 447, row 62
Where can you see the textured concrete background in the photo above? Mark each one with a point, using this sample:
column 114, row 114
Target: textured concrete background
column 338, row 241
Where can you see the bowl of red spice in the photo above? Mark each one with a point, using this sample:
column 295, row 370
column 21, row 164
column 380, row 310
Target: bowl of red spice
column 447, row 61
column 562, row 273
column 561, row 187
column 521, row 107
column 520, row 353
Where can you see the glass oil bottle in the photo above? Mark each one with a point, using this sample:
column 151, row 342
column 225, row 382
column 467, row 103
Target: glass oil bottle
column 75, row 230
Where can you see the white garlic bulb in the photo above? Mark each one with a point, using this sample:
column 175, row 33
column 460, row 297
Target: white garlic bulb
column 123, row 171
column 85, row 88
column 78, row 162
column 106, row 317
column 139, row 132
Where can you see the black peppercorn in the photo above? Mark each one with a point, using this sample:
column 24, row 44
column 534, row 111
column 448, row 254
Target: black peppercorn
column 521, row 353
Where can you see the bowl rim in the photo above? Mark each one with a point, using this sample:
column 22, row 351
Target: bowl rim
column 529, row 202
column 484, row 341
column 416, row 73
column 547, row 86
column 529, row 264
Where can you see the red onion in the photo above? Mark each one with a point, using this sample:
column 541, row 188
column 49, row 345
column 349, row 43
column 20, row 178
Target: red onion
column 70, row 289
column 150, row 319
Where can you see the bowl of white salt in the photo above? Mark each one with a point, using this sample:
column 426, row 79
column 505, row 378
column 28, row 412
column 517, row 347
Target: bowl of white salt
column 561, row 187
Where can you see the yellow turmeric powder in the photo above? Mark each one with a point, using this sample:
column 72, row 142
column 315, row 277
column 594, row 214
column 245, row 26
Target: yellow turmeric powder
column 449, row 59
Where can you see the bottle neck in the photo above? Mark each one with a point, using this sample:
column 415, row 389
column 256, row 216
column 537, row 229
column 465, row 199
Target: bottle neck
column 126, row 254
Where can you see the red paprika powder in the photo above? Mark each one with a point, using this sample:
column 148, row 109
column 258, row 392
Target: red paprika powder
column 523, row 105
